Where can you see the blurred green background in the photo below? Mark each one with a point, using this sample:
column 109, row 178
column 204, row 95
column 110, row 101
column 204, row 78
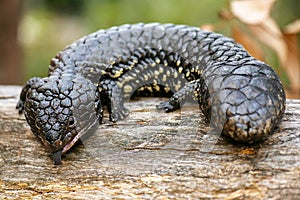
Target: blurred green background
column 47, row 26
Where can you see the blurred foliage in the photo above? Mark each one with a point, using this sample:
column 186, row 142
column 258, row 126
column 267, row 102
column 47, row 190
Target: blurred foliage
column 49, row 25
column 59, row 7
column 193, row 12
column 286, row 11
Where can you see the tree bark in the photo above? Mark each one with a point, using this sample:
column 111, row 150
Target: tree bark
column 149, row 155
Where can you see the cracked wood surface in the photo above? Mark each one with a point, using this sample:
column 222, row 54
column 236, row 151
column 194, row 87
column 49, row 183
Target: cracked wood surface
column 149, row 155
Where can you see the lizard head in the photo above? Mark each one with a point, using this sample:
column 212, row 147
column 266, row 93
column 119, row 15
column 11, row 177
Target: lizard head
column 60, row 109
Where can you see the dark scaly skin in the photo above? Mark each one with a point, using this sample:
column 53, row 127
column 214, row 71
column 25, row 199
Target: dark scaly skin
column 240, row 96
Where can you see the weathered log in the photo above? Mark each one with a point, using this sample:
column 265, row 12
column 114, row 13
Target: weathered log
column 149, row 155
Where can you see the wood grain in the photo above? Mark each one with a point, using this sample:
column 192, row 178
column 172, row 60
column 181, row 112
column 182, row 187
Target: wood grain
column 149, row 155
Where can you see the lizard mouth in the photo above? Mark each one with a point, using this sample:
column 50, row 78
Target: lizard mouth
column 57, row 154
column 76, row 138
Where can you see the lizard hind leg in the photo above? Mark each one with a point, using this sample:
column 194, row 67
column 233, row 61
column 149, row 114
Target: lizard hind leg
column 180, row 97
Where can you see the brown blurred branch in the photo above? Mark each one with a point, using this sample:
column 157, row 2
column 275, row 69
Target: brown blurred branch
column 10, row 51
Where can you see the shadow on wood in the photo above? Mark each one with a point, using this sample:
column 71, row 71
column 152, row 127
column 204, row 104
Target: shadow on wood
column 149, row 155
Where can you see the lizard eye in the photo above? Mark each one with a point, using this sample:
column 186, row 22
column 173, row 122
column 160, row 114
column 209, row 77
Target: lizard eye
column 72, row 121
